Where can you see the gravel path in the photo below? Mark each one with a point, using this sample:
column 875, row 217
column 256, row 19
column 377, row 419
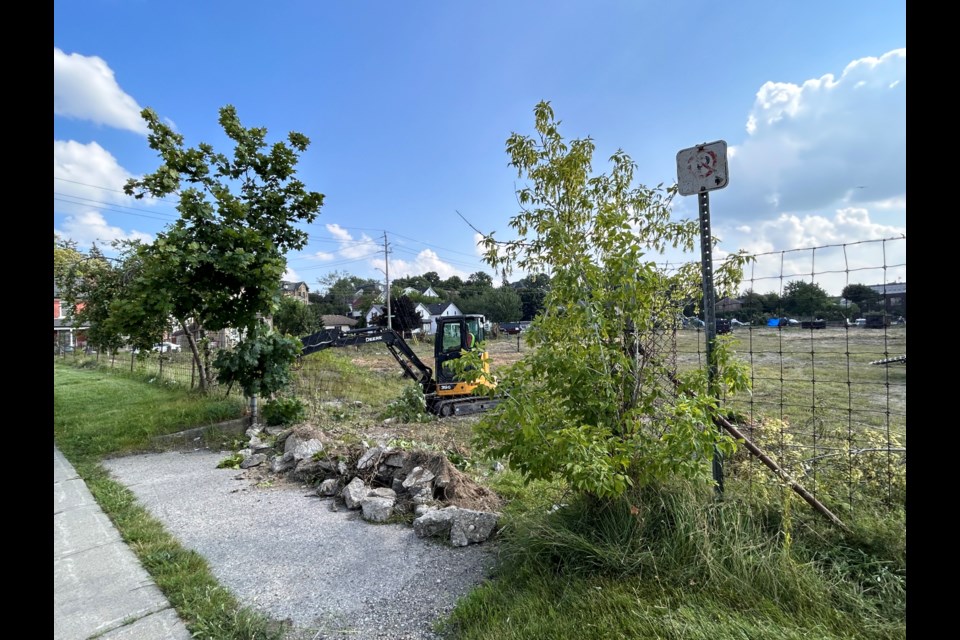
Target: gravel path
column 286, row 553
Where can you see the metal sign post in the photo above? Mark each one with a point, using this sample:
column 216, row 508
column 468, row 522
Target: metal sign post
column 700, row 170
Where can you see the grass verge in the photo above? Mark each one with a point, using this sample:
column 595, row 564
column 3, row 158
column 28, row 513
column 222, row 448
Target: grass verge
column 673, row 563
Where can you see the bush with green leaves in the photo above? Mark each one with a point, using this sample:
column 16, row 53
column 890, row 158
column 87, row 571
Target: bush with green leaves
column 284, row 411
column 411, row 406
column 260, row 364
column 598, row 401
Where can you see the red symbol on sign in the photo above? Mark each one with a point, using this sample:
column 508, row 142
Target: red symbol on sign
column 706, row 163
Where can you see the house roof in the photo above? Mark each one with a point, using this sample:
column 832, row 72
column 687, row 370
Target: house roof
column 438, row 308
column 292, row 286
column 334, row 320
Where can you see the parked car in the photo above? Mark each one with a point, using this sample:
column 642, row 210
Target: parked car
column 511, row 328
column 167, row 347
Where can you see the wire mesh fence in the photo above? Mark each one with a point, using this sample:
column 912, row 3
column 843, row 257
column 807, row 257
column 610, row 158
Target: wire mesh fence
column 828, row 398
column 170, row 367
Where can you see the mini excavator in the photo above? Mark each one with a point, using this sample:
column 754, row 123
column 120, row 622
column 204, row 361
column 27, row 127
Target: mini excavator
column 445, row 395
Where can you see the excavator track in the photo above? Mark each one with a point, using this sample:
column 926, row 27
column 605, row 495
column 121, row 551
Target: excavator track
column 463, row 406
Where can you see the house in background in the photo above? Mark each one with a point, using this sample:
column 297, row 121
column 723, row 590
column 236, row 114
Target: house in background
column 64, row 333
column 356, row 305
column 439, row 310
column 374, row 312
column 337, row 322
column 223, row 339
column 428, row 314
column 298, row 290
column 428, row 292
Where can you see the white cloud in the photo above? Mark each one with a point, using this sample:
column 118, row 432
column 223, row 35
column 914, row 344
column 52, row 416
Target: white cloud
column 366, row 247
column 351, row 248
column 91, row 227
column 322, row 256
column 86, row 175
column 424, row 262
column 85, row 88
column 291, row 275
column 848, row 247
column 827, row 141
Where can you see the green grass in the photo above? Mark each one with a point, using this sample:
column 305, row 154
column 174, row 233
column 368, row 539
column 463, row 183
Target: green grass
column 99, row 414
column 673, row 563
column 836, row 422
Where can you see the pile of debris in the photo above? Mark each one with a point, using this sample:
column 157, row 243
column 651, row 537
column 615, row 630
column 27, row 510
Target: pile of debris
column 381, row 482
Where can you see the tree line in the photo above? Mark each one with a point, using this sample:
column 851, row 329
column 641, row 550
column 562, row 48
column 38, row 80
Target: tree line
column 809, row 301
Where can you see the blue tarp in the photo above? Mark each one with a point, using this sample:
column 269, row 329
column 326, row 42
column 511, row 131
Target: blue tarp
column 773, row 322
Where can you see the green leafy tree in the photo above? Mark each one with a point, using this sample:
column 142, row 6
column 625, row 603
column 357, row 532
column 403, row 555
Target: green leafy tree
column 404, row 313
column 219, row 266
column 805, row 299
column 294, row 318
column 533, row 291
column 751, row 309
column 596, row 401
column 260, row 364
column 65, row 255
column 478, row 284
column 863, row 296
column 498, row 305
column 91, row 284
column 452, row 284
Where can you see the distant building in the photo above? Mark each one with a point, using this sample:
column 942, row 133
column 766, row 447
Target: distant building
column 894, row 297
column 337, row 322
column 298, row 290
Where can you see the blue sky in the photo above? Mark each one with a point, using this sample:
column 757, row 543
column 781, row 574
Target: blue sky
column 408, row 106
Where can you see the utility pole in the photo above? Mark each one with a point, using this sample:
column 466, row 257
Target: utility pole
column 386, row 263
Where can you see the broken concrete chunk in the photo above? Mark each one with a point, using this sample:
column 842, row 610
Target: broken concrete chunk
column 354, row 492
column 253, row 461
column 328, row 488
column 377, row 509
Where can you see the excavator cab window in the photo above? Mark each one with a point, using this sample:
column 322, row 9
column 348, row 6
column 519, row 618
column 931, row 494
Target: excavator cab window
column 451, row 337
column 475, row 327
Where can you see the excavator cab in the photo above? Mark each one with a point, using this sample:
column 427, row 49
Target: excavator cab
column 454, row 335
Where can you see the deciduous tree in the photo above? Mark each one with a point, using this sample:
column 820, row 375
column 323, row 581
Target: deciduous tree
column 597, row 401
column 220, row 264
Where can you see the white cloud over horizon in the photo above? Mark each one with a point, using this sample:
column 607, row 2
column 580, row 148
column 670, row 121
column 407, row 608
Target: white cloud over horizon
column 366, row 247
column 90, row 227
column 85, row 88
column 86, row 172
column 424, row 262
column 825, row 141
column 817, row 190
column 87, row 180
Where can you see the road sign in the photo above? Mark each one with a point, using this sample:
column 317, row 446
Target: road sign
column 702, row 168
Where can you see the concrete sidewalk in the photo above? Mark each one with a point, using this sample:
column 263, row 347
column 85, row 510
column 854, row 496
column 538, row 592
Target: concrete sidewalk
column 99, row 587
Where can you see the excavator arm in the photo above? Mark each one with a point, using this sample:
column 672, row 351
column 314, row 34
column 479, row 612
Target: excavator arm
column 408, row 360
